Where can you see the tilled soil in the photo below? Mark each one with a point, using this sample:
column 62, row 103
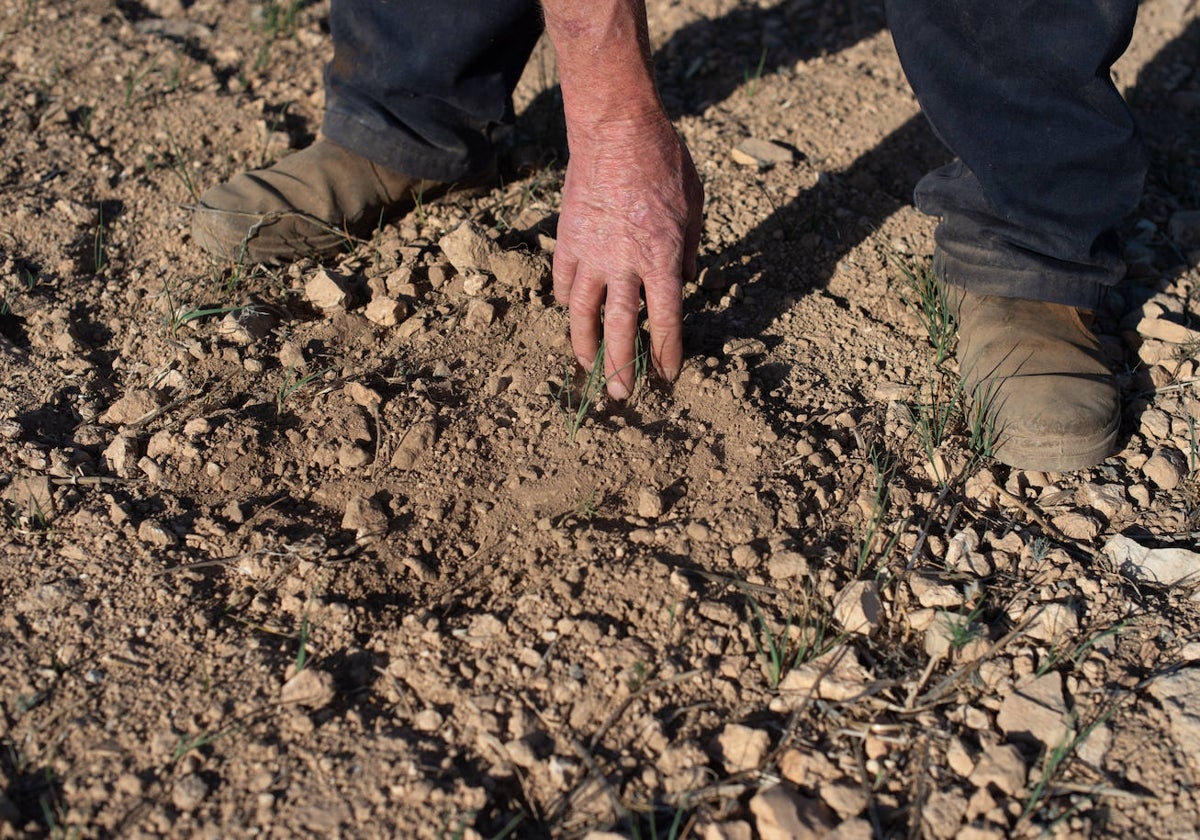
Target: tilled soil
column 354, row 549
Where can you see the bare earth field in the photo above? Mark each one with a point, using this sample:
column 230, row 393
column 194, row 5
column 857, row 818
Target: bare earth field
column 354, row 550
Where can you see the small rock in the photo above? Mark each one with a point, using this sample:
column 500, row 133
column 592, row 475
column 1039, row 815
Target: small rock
column 1162, row 566
column 1155, row 424
column 807, row 767
column 945, row 632
column 1077, row 526
column 1095, row 746
column 326, row 291
column 365, row 516
column 742, row 748
column 1036, row 711
column 963, row 554
column 385, row 311
column 468, row 248
column 480, row 315
column 428, row 720
column 650, row 503
column 889, row 392
column 1166, row 468
column 368, row 398
column 519, row 269
column 417, row 441
column 189, row 792
column 247, row 325
column 1002, row 766
column 154, row 533
column 931, row 593
column 133, row 406
column 744, row 348
column 1177, row 694
column 836, row 675
column 1168, row 331
column 734, row 830
column 783, row 814
column 310, row 688
column 959, row 759
column 1052, row 622
column 942, row 814
column 784, row 565
column 761, row 153
column 857, row 607
column 847, row 799
column 33, row 497
column 1106, row 499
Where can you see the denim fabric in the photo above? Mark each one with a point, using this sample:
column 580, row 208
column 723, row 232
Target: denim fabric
column 1049, row 157
column 420, row 86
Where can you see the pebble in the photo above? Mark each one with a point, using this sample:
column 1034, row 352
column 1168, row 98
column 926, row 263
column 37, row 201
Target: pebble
column 1109, row 500
column 835, row 675
column 784, row 565
column 385, row 311
column 734, row 830
column 417, row 441
column 783, row 814
column 761, row 153
column 1002, row 766
column 846, row 798
column 1052, row 622
column 742, row 748
column 1077, row 526
column 154, row 533
column 480, row 315
column 1036, row 710
column 1162, row 566
column 133, row 406
column 326, row 291
column 930, row 593
column 1168, row 331
column 32, row 496
column 650, row 503
column 1177, row 693
column 857, row 608
column 1155, row 424
column 310, row 688
column 189, row 792
column 468, row 248
column 365, row 516
column 942, row 814
column 428, row 720
column 1166, row 468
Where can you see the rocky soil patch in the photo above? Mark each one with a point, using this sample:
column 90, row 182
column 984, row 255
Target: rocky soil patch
column 353, row 549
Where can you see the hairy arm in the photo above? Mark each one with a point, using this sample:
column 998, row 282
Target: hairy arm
column 631, row 201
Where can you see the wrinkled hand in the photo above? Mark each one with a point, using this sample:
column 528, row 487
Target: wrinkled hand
column 630, row 220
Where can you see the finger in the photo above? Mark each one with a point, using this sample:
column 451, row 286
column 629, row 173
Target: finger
column 565, row 266
column 664, row 306
column 620, row 335
column 587, row 292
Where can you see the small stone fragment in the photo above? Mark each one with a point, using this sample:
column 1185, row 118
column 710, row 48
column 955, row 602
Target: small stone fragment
column 1000, row 765
column 1052, row 622
column 836, row 675
column 846, row 798
column 32, row 497
column 365, row 516
column 857, row 607
column 133, row 406
column 310, row 688
column 1166, row 468
column 189, row 792
column 1037, row 711
column 1168, row 331
column 1077, row 526
column 942, row 814
column 1162, row 566
column 428, row 720
column 784, row 565
column 1106, row 499
column 519, row 269
column 761, row 153
column 480, row 315
column 385, row 311
column 742, row 748
column 247, row 325
column 650, row 503
column 417, row 441
column 368, row 398
column 326, row 291
column 155, row 533
column 734, row 830
column 931, row 593
column 783, row 814
column 744, row 348
column 468, row 248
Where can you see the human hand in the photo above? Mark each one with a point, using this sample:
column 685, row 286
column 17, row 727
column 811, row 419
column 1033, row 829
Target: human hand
column 630, row 220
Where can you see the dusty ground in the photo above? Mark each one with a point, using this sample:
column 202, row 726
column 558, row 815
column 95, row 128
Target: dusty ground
column 333, row 551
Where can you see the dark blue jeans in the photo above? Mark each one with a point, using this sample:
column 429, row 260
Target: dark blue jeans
column 1049, row 157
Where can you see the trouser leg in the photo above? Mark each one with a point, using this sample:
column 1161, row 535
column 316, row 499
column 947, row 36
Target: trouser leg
column 1049, row 157
column 419, row 86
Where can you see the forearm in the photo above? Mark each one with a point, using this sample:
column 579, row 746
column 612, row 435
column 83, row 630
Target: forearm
column 604, row 63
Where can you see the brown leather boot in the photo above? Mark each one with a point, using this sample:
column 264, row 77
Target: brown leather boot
column 1036, row 373
column 310, row 203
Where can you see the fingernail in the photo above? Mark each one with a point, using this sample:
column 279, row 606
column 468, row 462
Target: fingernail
column 617, row 390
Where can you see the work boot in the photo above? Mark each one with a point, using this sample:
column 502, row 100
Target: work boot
column 311, row 203
column 1034, row 373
